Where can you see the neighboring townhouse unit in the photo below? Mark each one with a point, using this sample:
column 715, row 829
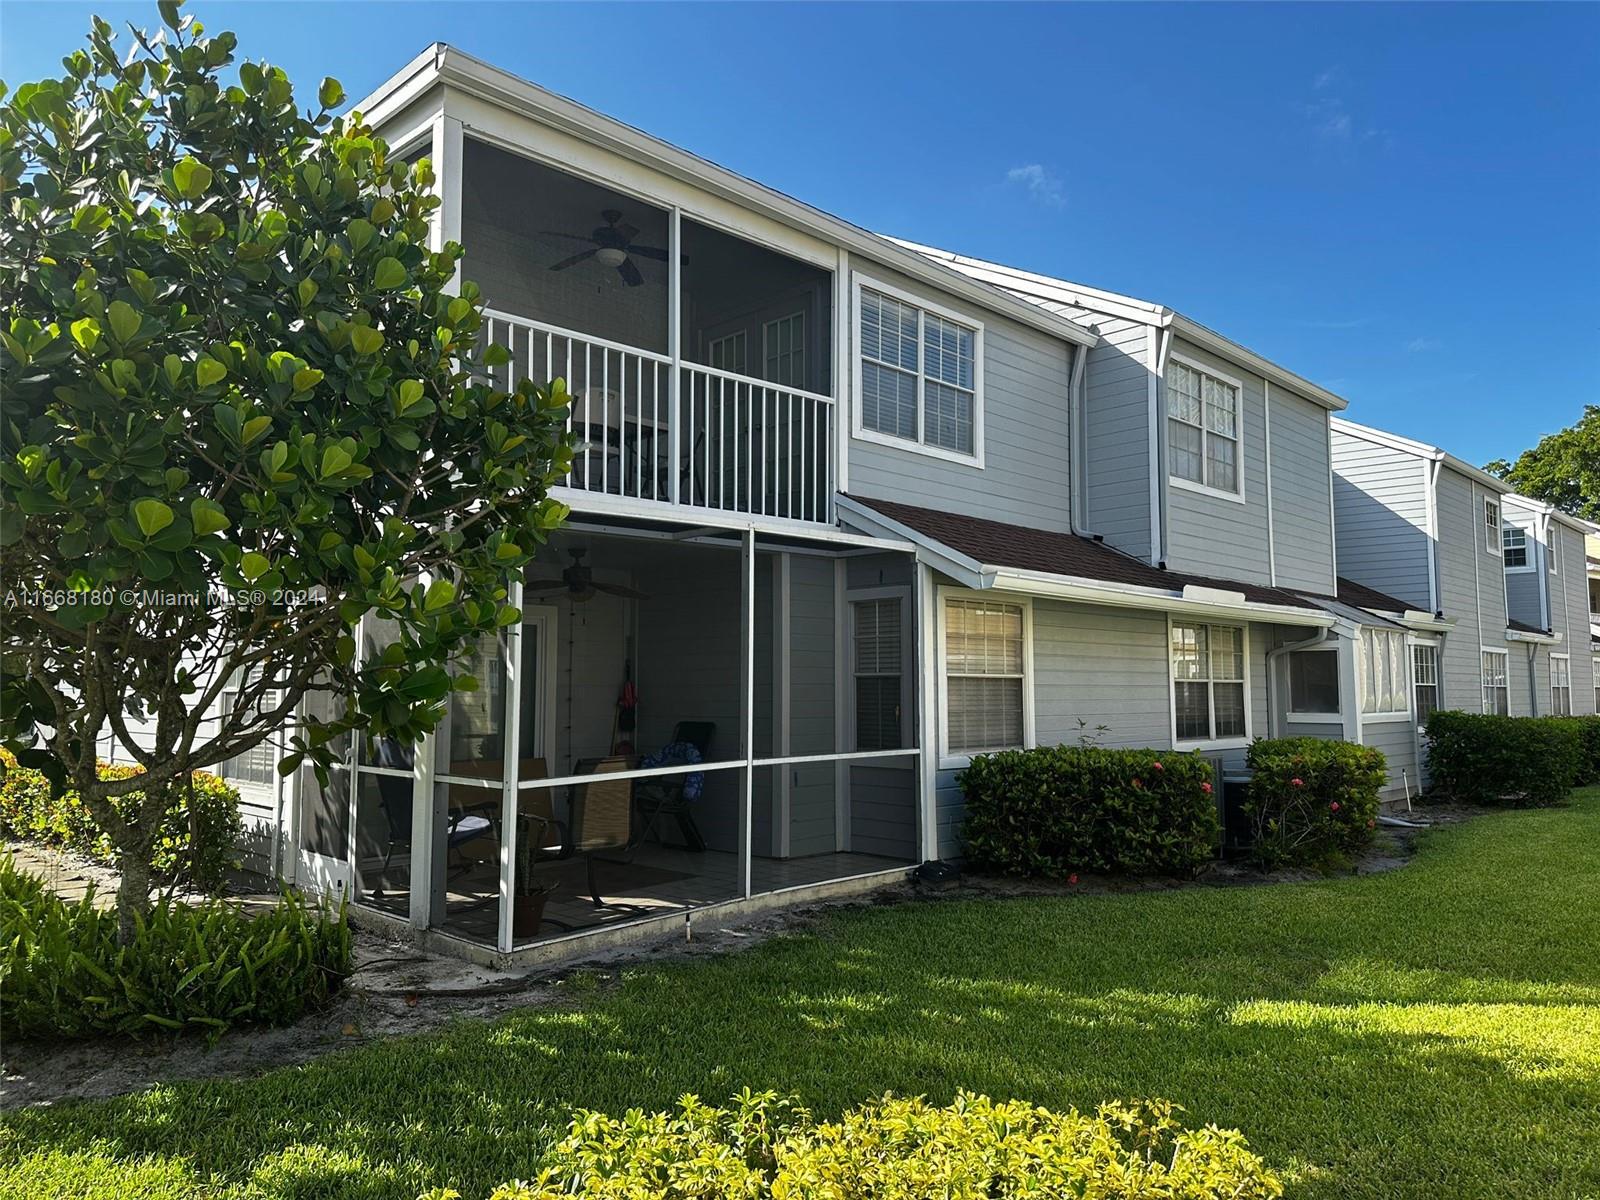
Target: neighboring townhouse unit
column 1446, row 537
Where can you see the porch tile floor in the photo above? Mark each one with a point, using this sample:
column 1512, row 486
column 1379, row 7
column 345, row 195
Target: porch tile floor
column 657, row 879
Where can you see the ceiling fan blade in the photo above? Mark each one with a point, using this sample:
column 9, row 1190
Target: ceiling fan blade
column 574, row 260
column 628, row 232
column 546, row 585
column 630, row 273
column 616, row 589
column 571, row 237
column 655, row 252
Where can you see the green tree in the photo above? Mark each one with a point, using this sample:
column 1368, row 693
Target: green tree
column 234, row 373
column 1563, row 469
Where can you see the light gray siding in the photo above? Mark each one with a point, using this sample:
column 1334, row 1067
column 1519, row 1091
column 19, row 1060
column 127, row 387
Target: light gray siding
column 1209, row 535
column 1397, row 740
column 1104, row 666
column 1471, row 588
column 1116, row 419
column 1570, row 593
column 883, row 809
column 812, row 648
column 1380, row 498
column 1302, row 514
column 1026, row 473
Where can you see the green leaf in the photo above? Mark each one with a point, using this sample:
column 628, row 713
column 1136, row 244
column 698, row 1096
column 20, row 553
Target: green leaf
column 208, row 371
column 208, row 516
column 86, row 332
column 152, row 515
column 409, row 392
column 330, row 94
column 364, row 339
column 253, row 566
column 254, row 428
column 124, row 321
column 496, row 355
column 334, row 460
column 440, row 593
column 173, row 366
column 191, row 177
column 306, row 291
column 360, row 232
column 388, row 274
column 306, row 379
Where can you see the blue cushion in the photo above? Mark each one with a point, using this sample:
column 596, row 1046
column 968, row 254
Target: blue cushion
column 467, row 828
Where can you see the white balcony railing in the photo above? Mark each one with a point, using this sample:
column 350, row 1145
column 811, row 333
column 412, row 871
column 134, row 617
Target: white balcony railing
column 679, row 433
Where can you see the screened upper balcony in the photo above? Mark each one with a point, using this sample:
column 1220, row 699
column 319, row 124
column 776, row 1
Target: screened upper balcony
column 699, row 363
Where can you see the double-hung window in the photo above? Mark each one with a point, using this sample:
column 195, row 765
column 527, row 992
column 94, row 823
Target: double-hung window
column 1384, row 685
column 1425, row 679
column 1496, row 695
column 1203, row 428
column 878, row 671
column 921, row 375
column 1491, row 526
column 258, row 764
column 1560, row 685
column 985, row 668
column 1514, row 545
column 1208, row 674
column 1597, row 684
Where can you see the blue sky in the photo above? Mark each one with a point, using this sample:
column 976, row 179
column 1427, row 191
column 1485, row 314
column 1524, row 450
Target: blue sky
column 1397, row 201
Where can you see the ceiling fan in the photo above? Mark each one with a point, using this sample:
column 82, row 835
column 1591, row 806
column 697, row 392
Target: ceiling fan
column 579, row 583
column 612, row 245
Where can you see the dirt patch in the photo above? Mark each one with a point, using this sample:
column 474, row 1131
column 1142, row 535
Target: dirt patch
column 400, row 989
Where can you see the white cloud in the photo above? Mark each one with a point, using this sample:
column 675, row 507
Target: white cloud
column 1041, row 184
column 1421, row 345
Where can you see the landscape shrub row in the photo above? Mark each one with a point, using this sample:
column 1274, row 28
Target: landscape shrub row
column 1311, row 801
column 201, row 967
column 1480, row 758
column 199, row 834
column 1055, row 810
column 765, row 1148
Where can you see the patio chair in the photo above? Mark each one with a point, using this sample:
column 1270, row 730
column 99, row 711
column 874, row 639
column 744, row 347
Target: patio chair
column 602, row 815
column 675, row 795
column 394, row 799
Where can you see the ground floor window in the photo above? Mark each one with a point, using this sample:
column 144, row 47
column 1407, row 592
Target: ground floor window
column 1314, row 682
column 1597, row 685
column 1208, row 665
column 1496, row 695
column 985, row 675
column 876, row 627
column 259, row 764
column 1561, row 685
column 1425, row 678
column 1383, row 672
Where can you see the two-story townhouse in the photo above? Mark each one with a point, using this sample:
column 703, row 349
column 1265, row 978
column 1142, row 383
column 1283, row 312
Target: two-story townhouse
column 1424, row 526
column 1543, row 549
column 1198, row 456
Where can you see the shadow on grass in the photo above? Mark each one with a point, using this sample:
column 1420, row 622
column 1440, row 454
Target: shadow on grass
column 1428, row 1032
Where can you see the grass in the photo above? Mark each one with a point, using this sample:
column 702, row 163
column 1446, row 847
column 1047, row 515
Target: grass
column 1434, row 1031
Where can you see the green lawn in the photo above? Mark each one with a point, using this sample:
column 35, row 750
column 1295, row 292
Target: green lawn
column 1430, row 1032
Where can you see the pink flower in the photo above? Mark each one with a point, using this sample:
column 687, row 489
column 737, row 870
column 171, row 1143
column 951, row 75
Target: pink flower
column 1206, row 788
column 1155, row 766
column 1072, row 879
column 1334, row 807
column 1297, row 782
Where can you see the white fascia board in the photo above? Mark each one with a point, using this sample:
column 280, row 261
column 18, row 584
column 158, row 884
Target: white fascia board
column 960, row 567
column 1544, row 509
column 442, row 63
column 1382, row 437
column 600, row 504
column 1121, row 595
column 1416, row 619
column 1063, row 291
column 1538, row 639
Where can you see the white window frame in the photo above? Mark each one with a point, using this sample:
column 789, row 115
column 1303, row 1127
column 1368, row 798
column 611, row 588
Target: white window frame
column 1389, row 638
column 1293, row 714
column 907, row 660
column 799, row 350
column 1555, row 708
column 1528, row 563
column 1205, row 489
column 1552, row 550
column 858, row 429
column 272, row 745
column 1212, row 743
column 1597, row 683
column 1492, row 523
column 716, row 348
column 949, row 760
column 1505, row 674
column 1437, row 684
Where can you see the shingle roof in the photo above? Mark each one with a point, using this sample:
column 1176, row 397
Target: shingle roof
column 1361, row 596
column 998, row 544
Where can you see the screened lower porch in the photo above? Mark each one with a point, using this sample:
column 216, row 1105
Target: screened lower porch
column 683, row 718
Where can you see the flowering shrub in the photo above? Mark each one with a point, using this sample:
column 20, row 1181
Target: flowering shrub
column 765, row 1148
column 1487, row 759
column 1311, row 800
column 1060, row 809
column 197, row 840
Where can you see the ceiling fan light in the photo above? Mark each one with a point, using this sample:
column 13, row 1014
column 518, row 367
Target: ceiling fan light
column 611, row 256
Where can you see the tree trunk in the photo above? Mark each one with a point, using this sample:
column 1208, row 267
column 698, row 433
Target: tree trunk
column 133, row 892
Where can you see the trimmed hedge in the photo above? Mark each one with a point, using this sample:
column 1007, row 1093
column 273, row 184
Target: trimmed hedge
column 764, row 1148
column 1480, row 758
column 1589, row 743
column 1058, row 809
column 203, row 967
column 1311, row 800
column 198, row 839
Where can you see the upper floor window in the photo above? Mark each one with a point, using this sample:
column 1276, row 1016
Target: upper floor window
column 920, row 375
column 1514, row 544
column 1203, row 428
column 1560, row 685
column 1491, row 527
column 1552, row 551
column 1208, row 689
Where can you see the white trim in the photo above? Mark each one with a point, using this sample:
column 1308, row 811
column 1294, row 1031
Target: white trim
column 1492, row 545
column 1331, row 718
column 917, row 445
column 853, row 597
column 1483, row 686
column 1430, row 485
column 928, row 696
column 955, row 761
column 1153, row 419
column 1189, row 485
column 1566, row 658
column 1422, row 450
column 1229, row 743
column 1272, row 549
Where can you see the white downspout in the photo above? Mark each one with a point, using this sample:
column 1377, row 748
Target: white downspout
column 1272, row 548
column 1164, row 347
column 1273, row 725
column 1077, row 430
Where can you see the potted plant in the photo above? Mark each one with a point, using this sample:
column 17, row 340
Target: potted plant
column 531, row 892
